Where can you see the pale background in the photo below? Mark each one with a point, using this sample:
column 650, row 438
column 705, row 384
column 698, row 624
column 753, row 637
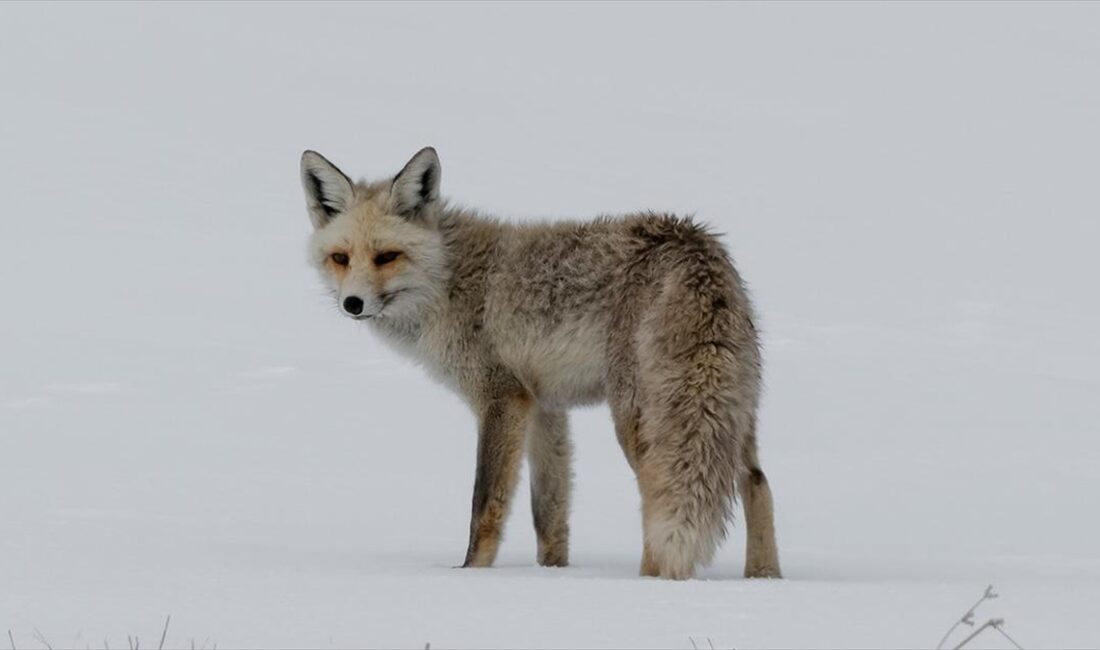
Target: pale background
column 187, row 427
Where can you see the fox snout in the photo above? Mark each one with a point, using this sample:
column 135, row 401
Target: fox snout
column 368, row 306
column 353, row 306
column 361, row 306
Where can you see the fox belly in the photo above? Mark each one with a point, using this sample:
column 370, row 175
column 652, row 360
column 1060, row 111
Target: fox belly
column 564, row 367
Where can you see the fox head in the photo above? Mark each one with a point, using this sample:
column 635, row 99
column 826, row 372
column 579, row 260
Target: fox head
column 377, row 245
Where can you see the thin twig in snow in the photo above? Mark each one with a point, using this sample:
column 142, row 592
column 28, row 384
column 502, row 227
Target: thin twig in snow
column 1000, row 628
column 968, row 617
column 41, row 639
column 12, row 639
column 693, row 646
column 993, row 622
column 164, row 634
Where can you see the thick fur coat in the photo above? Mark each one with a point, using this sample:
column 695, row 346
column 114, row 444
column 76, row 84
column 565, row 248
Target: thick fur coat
column 645, row 312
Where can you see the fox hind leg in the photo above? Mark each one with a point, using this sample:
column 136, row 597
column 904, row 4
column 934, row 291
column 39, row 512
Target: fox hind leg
column 761, row 552
column 627, row 415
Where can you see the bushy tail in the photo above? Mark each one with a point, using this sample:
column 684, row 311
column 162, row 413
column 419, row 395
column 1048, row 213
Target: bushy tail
column 701, row 367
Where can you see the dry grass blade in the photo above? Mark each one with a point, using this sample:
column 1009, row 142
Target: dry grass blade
column 164, row 634
column 12, row 639
column 41, row 639
column 981, row 628
column 999, row 627
column 968, row 617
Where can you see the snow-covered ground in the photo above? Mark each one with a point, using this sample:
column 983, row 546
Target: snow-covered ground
column 187, row 427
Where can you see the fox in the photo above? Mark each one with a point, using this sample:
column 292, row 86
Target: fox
column 525, row 320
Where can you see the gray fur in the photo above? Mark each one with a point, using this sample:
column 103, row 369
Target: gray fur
column 644, row 311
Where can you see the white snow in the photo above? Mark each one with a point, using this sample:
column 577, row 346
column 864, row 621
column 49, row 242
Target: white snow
column 188, row 427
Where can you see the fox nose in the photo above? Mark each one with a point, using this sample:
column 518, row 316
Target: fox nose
column 353, row 305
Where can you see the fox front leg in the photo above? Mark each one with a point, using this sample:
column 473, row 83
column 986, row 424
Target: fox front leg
column 503, row 423
column 549, row 452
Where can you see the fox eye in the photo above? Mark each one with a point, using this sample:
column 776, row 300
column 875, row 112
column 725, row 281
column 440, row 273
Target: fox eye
column 340, row 258
column 385, row 258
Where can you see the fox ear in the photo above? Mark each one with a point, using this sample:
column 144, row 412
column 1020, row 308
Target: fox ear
column 328, row 190
column 416, row 187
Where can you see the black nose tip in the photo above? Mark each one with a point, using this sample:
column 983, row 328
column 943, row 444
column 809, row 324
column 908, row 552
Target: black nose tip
column 353, row 305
